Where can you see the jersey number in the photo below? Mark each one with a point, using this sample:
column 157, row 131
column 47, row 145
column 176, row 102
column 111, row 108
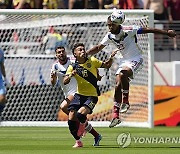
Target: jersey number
column 85, row 73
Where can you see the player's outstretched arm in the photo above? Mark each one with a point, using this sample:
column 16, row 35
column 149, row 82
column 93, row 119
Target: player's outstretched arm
column 170, row 33
column 95, row 49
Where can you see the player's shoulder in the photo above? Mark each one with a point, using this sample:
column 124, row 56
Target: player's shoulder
column 55, row 65
column 93, row 59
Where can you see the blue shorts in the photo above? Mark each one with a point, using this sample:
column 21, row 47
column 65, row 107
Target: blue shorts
column 80, row 100
column 2, row 88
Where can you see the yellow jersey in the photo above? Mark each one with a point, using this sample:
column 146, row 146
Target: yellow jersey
column 86, row 76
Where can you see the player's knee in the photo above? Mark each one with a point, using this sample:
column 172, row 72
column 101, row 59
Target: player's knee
column 63, row 106
column 81, row 117
column 124, row 73
column 72, row 115
column 2, row 99
column 72, row 124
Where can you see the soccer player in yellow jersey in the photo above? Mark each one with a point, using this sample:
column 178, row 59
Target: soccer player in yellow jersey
column 85, row 72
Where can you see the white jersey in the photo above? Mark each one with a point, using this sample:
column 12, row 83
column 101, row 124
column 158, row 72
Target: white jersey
column 70, row 88
column 125, row 41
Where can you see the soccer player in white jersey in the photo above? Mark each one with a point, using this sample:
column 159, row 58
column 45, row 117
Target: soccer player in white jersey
column 2, row 86
column 58, row 72
column 124, row 38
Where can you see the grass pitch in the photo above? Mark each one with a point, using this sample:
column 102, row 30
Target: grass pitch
column 53, row 140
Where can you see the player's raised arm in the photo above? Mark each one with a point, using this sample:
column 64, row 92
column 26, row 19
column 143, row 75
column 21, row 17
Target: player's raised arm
column 170, row 33
column 95, row 49
column 53, row 76
column 70, row 73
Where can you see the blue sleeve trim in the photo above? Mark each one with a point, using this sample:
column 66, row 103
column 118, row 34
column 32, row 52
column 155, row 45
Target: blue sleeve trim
column 140, row 30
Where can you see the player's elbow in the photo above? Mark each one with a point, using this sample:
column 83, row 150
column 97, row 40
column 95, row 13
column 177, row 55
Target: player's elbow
column 95, row 49
column 107, row 64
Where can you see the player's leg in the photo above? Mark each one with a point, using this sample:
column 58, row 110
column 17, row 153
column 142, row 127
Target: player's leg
column 117, row 102
column 72, row 121
column 125, row 74
column 89, row 103
column 88, row 128
column 73, row 128
column 64, row 105
column 2, row 98
column 128, row 71
column 97, row 137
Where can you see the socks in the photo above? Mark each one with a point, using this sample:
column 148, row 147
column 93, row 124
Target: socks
column 125, row 96
column 91, row 130
column 1, row 108
column 73, row 129
column 116, row 110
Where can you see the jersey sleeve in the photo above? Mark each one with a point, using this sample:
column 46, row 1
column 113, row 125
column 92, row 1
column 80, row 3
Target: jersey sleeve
column 69, row 70
column 97, row 63
column 132, row 30
column 54, row 68
column 105, row 41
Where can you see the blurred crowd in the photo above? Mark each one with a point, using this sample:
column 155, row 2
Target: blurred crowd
column 166, row 14
column 163, row 9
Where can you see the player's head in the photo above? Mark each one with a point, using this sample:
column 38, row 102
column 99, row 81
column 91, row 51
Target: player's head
column 114, row 21
column 79, row 50
column 61, row 53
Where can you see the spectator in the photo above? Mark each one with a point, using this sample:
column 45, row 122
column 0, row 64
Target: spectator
column 93, row 4
column 158, row 7
column 109, row 4
column 76, row 4
column 6, row 4
column 23, row 4
column 66, row 4
column 173, row 9
column 53, row 4
column 54, row 39
column 126, row 4
column 38, row 4
column 138, row 4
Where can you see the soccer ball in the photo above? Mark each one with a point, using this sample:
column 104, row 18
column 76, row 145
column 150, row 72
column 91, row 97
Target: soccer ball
column 117, row 17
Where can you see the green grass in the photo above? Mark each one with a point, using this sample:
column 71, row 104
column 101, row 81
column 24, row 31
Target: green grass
column 47, row 140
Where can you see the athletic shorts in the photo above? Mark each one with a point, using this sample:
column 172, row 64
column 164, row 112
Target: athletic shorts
column 80, row 100
column 135, row 64
column 2, row 88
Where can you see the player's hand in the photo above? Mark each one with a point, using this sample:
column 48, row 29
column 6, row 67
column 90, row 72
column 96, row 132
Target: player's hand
column 171, row 33
column 113, row 53
column 53, row 75
column 99, row 77
column 73, row 73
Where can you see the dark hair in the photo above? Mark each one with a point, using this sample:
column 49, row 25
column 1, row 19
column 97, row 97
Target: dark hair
column 76, row 45
column 59, row 47
column 109, row 18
